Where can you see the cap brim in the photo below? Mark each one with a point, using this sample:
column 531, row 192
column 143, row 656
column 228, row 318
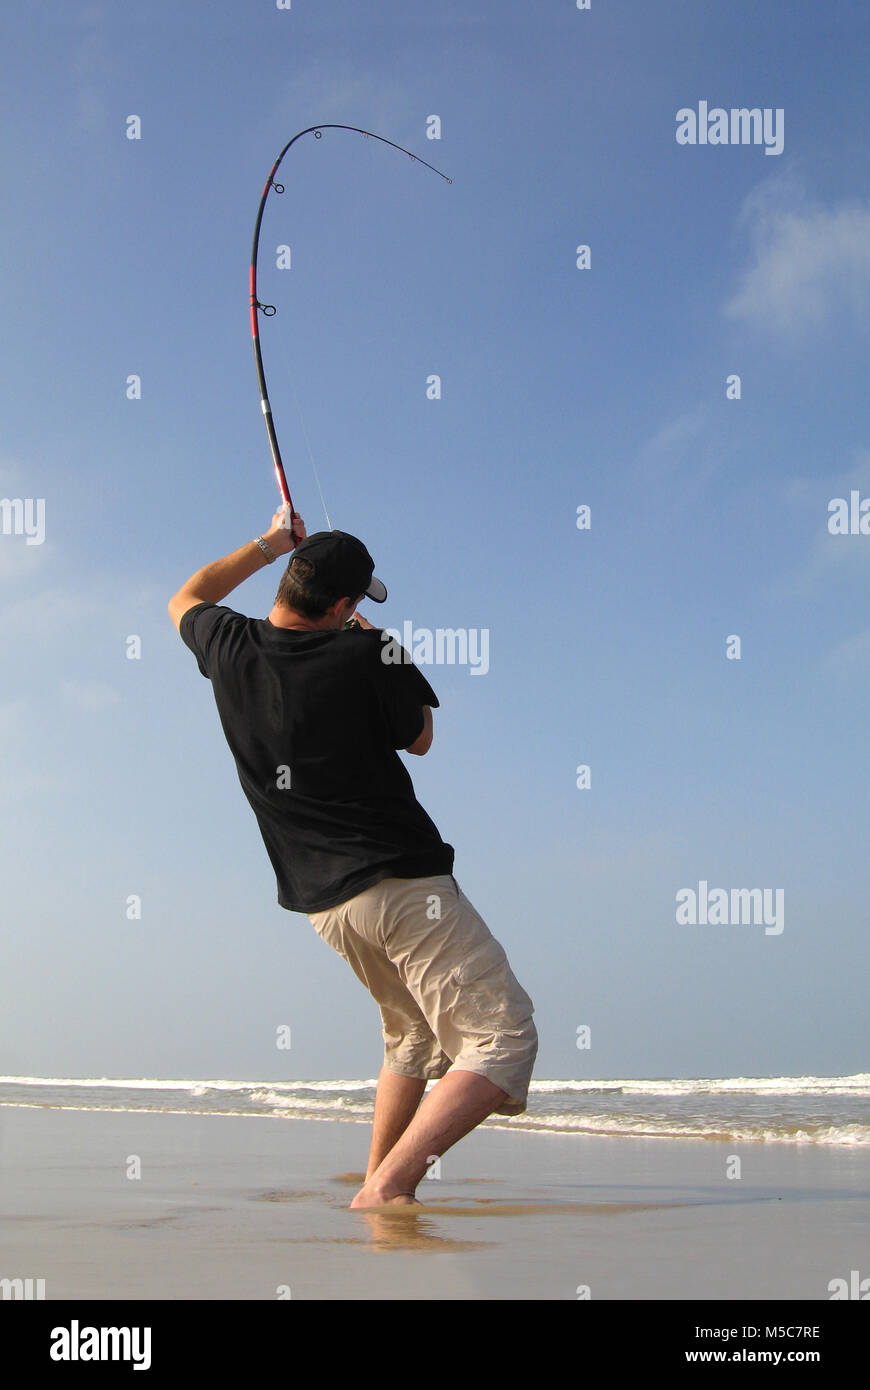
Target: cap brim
column 376, row 591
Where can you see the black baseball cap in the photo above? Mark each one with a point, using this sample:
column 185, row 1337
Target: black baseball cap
column 341, row 564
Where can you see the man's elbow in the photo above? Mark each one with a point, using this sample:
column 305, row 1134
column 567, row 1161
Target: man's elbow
column 423, row 742
column 178, row 606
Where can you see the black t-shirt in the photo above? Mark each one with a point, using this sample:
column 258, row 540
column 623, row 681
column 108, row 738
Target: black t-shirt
column 313, row 720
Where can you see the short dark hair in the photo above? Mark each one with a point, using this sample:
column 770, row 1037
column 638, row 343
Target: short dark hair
column 299, row 591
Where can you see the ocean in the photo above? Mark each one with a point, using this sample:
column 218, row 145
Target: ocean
column 821, row 1110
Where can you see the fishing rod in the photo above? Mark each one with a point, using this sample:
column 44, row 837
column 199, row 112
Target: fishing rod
column 269, row 310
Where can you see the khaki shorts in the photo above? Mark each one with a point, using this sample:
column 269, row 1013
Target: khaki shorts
column 448, row 997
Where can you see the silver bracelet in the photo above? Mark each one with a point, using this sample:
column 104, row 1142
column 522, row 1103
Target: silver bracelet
column 266, row 548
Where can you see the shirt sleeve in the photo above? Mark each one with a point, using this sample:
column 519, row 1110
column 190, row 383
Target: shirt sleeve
column 404, row 691
column 201, row 628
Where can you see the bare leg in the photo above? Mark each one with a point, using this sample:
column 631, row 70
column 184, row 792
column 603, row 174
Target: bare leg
column 453, row 1107
column 396, row 1103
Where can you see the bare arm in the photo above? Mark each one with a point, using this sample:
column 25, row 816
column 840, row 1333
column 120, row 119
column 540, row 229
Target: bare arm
column 423, row 742
column 213, row 582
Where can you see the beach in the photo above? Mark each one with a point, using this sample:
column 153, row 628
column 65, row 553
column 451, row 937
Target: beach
column 256, row 1208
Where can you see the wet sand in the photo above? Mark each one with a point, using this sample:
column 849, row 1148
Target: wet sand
column 257, row 1208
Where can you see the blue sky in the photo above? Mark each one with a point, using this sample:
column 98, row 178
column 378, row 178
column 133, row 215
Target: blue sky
column 560, row 387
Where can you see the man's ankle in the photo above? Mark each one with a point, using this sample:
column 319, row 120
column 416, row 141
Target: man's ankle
column 384, row 1189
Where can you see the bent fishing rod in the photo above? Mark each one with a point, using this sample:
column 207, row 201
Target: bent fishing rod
column 269, row 310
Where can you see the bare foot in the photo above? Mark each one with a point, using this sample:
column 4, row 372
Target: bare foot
column 369, row 1198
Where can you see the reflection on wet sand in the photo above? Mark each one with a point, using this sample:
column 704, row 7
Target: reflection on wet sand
column 490, row 1206
column 404, row 1228
column 420, row 1227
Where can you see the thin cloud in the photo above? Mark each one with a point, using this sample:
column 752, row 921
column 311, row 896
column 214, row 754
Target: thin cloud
column 809, row 263
column 664, row 448
column 831, row 559
column 53, row 612
column 851, row 657
column 89, row 696
column 690, row 448
column 18, row 560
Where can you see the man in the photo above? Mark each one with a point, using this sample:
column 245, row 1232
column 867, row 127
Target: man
column 313, row 713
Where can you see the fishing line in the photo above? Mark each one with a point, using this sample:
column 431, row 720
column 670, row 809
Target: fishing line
column 287, row 375
column 269, row 310
column 310, row 455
